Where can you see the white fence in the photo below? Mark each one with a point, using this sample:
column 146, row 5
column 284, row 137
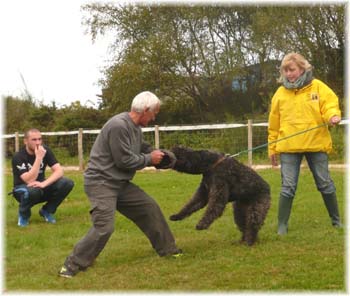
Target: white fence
column 242, row 136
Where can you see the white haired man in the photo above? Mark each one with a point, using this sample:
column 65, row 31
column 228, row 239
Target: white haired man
column 115, row 156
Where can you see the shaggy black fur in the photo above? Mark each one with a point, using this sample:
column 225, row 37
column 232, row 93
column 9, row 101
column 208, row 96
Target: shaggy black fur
column 224, row 180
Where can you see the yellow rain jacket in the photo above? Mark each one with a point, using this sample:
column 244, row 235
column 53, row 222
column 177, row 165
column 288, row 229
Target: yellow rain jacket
column 295, row 110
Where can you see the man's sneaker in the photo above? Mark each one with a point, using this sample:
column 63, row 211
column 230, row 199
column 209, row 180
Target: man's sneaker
column 47, row 216
column 22, row 222
column 177, row 254
column 66, row 272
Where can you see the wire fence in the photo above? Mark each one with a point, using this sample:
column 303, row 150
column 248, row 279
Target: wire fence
column 73, row 147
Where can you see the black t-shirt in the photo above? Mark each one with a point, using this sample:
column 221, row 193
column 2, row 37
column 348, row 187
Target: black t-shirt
column 22, row 162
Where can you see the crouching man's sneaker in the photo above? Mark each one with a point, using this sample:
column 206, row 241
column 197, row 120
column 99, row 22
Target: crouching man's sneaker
column 67, row 272
column 22, row 222
column 47, row 216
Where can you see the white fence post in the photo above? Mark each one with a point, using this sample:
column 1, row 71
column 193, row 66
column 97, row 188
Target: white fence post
column 16, row 142
column 156, row 136
column 250, row 142
column 80, row 149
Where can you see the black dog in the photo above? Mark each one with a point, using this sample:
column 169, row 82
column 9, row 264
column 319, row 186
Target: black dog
column 224, row 180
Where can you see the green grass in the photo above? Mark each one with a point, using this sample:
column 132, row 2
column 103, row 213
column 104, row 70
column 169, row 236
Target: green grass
column 310, row 258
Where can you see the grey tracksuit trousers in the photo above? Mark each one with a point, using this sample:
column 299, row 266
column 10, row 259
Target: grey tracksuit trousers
column 133, row 203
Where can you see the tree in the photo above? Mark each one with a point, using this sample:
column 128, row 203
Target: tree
column 191, row 54
column 44, row 117
column 76, row 116
column 324, row 43
column 18, row 114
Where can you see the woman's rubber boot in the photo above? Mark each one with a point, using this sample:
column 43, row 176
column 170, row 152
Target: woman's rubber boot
column 284, row 208
column 330, row 201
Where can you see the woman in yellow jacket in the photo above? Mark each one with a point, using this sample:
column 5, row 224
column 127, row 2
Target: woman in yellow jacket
column 302, row 103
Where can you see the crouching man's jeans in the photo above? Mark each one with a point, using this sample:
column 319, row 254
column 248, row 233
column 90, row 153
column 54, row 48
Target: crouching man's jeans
column 53, row 195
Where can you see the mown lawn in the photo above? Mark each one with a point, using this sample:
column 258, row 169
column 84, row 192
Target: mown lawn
column 310, row 258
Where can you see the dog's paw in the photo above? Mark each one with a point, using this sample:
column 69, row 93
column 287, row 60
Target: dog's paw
column 201, row 226
column 175, row 217
column 247, row 242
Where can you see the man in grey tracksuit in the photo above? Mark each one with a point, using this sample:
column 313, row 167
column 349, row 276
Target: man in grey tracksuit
column 115, row 156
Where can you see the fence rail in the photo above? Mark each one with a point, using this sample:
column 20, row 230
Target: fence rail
column 242, row 138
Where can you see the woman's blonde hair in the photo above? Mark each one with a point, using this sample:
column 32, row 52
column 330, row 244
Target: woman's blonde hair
column 298, row 59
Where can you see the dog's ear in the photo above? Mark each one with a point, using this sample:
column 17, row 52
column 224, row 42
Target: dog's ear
column 181, row 149
column 174, row 148
column 168, row 161
column 177, row 149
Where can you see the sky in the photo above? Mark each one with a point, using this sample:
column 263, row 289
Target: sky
column 44, row 42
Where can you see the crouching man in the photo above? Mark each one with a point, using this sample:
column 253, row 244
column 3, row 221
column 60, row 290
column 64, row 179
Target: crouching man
column 30, row 185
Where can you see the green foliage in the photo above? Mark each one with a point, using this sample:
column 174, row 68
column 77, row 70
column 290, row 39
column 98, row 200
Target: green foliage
column 44, row 117
column 22, row 114
column 309, row 259
column 18, row 113
column 338, row 134
column 76, row 116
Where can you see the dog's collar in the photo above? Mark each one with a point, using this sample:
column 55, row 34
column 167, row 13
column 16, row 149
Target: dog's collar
column 217, row 162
